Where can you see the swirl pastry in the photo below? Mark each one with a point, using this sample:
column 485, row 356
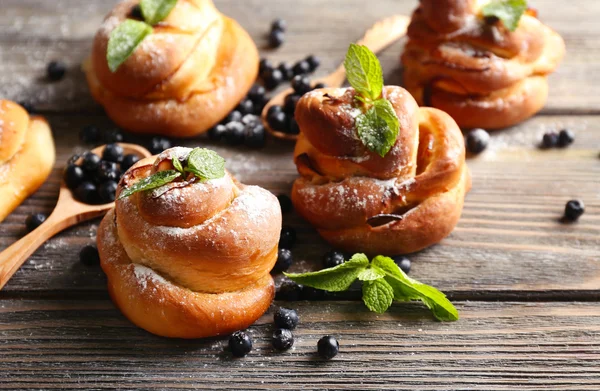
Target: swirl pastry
column 26, row 155
column 182, row 79
column 362, row 202
column 474, row 68
column 190, row 260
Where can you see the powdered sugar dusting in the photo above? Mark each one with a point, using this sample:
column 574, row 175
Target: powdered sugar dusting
column 144, row 274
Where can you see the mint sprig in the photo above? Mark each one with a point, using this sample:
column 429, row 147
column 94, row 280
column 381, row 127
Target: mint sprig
column 383, row 282
column 378, row 125
column 127, row 36
column 201, row 162
column 508, row 11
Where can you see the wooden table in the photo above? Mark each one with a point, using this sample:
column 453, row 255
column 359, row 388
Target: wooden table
column 526, row 286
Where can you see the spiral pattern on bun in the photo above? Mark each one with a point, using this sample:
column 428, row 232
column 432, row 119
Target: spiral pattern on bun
column 190, row 260
column 474, row 68
column 183, row 78
column 362, row 202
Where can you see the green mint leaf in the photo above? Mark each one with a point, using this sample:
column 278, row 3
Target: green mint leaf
column 177, row 163
column 123, row 40
column 385, row 111
column 375, row 133
column 334, row 279
column 508, row 11
column 406, row 288
column 377, row 295
column 363, row 71
column 154, row 181
column 155, row 11
column 370, row 274
column 205, row 164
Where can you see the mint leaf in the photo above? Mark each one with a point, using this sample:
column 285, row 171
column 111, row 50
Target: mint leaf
column 377, row 295
column 385, row 111
column 508, row 11
column 177, row 163
column 370, row 274
column 154, row 181
column 205, row 164
column 406, row 288
column 375, row 133
column 363, row 71
column 123, row 40
column 155, row 11
column 334, row 279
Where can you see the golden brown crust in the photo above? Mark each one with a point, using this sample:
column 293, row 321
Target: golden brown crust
column 193, row 261
column 182, row 79
column 412, row 202
column 26, row 155
column 479, row 72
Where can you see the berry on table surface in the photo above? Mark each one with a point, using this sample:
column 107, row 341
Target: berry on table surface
column 333, row 258
column 217, row 132
column 257, row 93
column 234, row 116
column 255, row 136
column 56, row 70
column 286, row 70
column 74, row 176
column 240, row 344
column 286, row 318
column 113, row 153
column 34, row 220
column 283, row 339
column 128, row 161
column 313, row 61
column 235, row 133
column 272, row 79
column 276, row 38
column 284, row 260
column 477, row 141
column 159, row 144
column 287, row 237
column 301, row 68
column 289, row 291
column 301, row 84
column 565, row 138
column 574, row 209
column 285, row 203
column 112, row 136
column 550, row 140
column 279, row 24
column 246, row 106
column 328, row 347
column 403, row 263
column 89, row 255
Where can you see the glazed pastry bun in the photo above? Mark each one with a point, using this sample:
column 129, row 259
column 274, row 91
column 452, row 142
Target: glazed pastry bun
column 182, row 79
column 362, row 202
column 26, row 155
column 190, row 260
column 475, row 68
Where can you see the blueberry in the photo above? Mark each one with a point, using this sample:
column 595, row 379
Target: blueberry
column 264, row 66
column 328, row 347
column 257, row 93
column 34, row 220
column 274, row 109
column 136, row 12
column 217, row 132
column 90, row 162
column 113, row 153
column 283, row 339
column 240, row 344
column 313, row 61
column 289, row 104
column 286, row 318
column 112, row 136
column 89, row 134
column 234, row 116
column 301, row 84
column 477, row 141
column 565, row 138
column 284, row 260
column 279, row 24
column 286, row 70
column 293, row 128
column 287, row 237
column 301, row 68
column 159, row 144
column 255, row 136
column 550, row 140
column 108, row 171
column 333, row 258
column 246, row 107
column 278, row 121
column 235, row 133
column 86, row 192
column 319, row 86
column 276, row 38
column 251, row 120
column 272, row 79
column 56, row 70
column 285, row 203
column 403, row 263
column 74, row 176
column 573, row 210
column 107, row 191
column 289, row 291
column 89, row 255
column 128, row 161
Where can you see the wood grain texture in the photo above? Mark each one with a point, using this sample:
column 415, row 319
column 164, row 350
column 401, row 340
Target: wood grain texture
column 71, row 344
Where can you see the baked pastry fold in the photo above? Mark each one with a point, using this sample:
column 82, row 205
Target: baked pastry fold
column 362, row 202
column 182, row 79
column 190, row 260
column 476, row 69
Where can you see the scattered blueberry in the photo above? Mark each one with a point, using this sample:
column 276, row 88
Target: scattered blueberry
column 264, row 66
column 90, row 162
column 313, row 61
column 574, row 209
column 289, row 291
column 477, row 141
column 328, row 347
column 107, row 191
column 403, row 263
column 286, row 70
column 86, row 192
column 257, row 93
column 278, row 120
column 89, row 134
column 56, row 70
column 240, row 344
column 333, row 259
column 287, row 237
column 251, row 120
column 108, row 171
column 285, row 203
column 301, row 68
column 279, row 24
column 113, row 153
column 255, row 136
column 565, row 138
column 235, row 133
column 276, row 38
column 284, row 260
column 272, row 79
column 74, row 176
column 159, row 144
column 128, row 161
column 286, row 318
column 89, row 255
column 217, row 132
column 550, row 140
column 34, row 220
column 246, row 107
column 112, row 136
column 290, row 102
column 283, row 339
column 301, row 84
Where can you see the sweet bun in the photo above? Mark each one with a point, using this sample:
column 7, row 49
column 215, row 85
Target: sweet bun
column 193, row 261
column 362, row 202
column 26, row 155
column 182, row 79
column 476, row 69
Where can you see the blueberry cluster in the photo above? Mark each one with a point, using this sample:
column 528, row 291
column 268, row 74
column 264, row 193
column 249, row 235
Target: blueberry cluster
column 93, row 179
column 562, row 139
column 273, row 76
column 243, row 124
column 277, row 33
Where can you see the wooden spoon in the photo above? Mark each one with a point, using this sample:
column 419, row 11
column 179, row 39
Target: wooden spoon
column 381, row 35
column 68, row 212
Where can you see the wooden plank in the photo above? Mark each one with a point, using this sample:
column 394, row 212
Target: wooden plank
column 70, row 344
column 34, row 32
column 509, row 242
